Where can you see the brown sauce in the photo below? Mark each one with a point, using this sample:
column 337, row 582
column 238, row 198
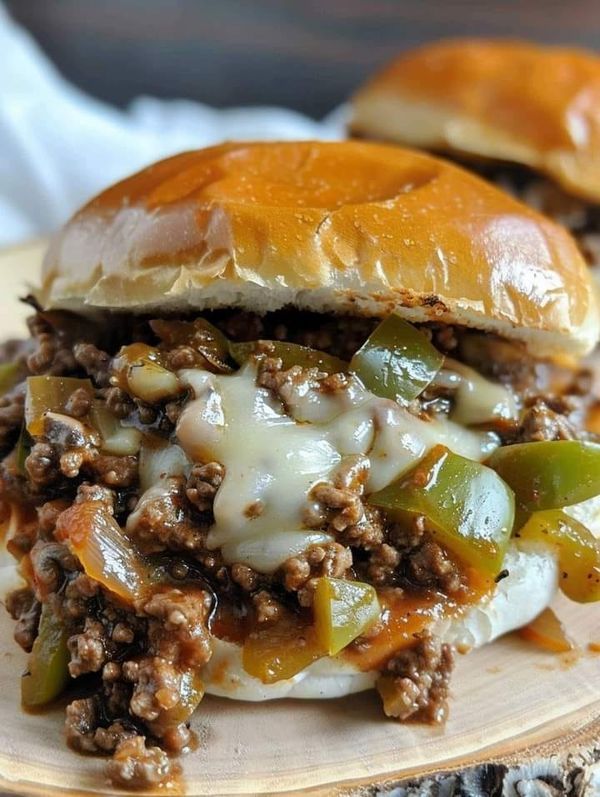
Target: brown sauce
column 405, row 616
column 290, row 642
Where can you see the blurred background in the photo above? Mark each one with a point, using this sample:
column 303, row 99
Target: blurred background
column 302, row 54
column 90, row 91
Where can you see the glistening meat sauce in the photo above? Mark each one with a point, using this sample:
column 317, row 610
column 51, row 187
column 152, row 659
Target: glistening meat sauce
column 187, row 499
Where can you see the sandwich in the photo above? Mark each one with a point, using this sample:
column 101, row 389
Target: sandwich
column 521, row 114
column 295, row 420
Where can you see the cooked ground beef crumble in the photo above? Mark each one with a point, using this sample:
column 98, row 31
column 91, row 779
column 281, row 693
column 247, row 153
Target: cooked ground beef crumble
column 132, row 661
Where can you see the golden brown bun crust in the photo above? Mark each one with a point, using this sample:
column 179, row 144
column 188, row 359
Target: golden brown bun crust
column 508, row 100
column 347, row 227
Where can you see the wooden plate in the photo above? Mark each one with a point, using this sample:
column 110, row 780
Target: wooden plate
column 512, row 703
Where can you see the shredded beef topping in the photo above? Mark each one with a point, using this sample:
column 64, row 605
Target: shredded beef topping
column 540, row 422
column 53, row 356
column 50, row 562
column 87, row 649
column 23, row 607
column 179, row 630
column 163, row 520
column 203, row 483
column 78, row 404
column 422, row 561
column 268, row 609
column 42, row 465
column 326, row 559
column 94, row 361
column 11, row 415
column 119, row 402
column 84, row 733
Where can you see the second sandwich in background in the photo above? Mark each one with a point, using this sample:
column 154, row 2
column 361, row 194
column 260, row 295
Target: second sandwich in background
column 523, row 115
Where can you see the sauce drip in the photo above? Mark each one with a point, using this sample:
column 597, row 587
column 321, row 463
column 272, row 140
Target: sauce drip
column 406, row 615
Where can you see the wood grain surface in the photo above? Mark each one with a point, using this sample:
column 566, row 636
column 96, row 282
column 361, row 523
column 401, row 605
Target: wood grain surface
column 304, row 54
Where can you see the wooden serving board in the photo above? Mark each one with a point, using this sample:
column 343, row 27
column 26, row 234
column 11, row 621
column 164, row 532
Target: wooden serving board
column 523, row 721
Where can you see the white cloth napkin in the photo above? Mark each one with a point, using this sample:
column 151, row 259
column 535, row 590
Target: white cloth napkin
column 59, row 146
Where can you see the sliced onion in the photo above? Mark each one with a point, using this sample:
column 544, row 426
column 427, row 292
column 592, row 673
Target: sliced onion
column 106, row 554
column 547, row 632
column 116, row 439
column 138, row 369
column 151, row 382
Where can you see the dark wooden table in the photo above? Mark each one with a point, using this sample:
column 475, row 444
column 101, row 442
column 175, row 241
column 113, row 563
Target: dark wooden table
column 304, row 54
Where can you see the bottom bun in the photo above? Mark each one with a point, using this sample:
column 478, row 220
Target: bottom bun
column 528, row 589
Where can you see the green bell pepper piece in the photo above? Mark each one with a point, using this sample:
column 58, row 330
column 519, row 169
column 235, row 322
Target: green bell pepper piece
column 397, row 360
column 291, row 354
column 342, row 611
column 22, row 449
column 49, row 394
column 578, row 552
column 280, row 651
column 47, row 671
column 549, row 474
column 469, row 509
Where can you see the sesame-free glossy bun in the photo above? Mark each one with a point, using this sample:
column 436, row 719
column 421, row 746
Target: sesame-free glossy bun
column 506, row 100
column 333, row 227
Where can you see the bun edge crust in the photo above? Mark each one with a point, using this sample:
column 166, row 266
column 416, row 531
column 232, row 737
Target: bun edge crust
column 261, row 226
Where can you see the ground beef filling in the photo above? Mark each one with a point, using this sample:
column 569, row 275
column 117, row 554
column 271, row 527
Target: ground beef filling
column 415, row 682
column 133, row 665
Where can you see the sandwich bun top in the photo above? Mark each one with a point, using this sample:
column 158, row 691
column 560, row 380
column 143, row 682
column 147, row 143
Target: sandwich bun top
column 507, row 100
column 335, row 227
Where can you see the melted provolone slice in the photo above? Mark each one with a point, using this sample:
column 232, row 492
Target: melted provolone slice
column 476, row 399
column 273, row 456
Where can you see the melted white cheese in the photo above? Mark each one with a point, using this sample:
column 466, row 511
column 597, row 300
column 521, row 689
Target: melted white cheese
column 477, row 399
column 159, row 459
column 274, row 456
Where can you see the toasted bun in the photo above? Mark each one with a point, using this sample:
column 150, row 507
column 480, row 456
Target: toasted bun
column 506, row 100
column 343, row 227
